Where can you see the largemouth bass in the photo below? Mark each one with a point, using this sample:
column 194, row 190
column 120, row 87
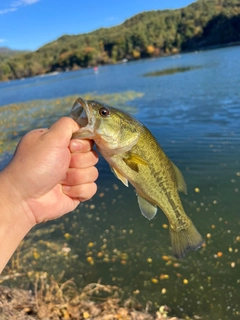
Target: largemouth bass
column 135, row 156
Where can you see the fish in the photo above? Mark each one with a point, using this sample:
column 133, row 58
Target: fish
column 135, row 157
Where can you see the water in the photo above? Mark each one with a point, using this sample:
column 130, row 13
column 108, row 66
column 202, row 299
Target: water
column 195, row 117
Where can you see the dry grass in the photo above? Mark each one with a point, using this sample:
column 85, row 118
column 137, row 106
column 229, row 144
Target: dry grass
column 51, row 300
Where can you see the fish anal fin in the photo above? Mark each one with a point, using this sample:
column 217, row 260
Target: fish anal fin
column 133, row 160
column 184, row 240
column 147, row 209
column 181, row 184
column 120, row 176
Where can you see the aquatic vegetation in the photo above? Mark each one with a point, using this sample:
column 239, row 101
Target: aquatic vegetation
column 97, row 241
column 170, row 71
column 18, row 119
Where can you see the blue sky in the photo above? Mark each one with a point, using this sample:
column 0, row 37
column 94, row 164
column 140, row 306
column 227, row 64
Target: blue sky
column 29, row 24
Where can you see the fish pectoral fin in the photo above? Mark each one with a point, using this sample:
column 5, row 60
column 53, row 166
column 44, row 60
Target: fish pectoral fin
column 132, row 165
column 133, row 160
column 181, row 184
column 119, row 176
column 147, row 209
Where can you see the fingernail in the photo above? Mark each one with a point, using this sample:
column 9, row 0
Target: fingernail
column 75, row 145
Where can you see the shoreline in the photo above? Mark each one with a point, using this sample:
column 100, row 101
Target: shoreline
column 199, row 49
column 51, row 302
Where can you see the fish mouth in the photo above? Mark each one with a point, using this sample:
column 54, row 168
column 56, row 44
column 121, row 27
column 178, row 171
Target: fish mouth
column 82, row 113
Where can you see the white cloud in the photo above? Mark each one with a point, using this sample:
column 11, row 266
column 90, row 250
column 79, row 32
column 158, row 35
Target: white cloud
column 2, row 40
column 4, row 11
column 23, row 3
column 19, row 3
column 26, row 2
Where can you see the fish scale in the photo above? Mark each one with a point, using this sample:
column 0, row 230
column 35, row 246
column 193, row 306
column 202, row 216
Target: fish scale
column 135, row 156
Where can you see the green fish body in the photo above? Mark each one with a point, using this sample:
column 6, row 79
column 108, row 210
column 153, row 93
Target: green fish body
column 135, row 156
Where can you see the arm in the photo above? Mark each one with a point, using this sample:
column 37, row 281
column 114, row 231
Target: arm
column 48, row 176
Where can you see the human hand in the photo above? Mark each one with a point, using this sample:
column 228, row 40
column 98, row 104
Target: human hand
column 50, row 173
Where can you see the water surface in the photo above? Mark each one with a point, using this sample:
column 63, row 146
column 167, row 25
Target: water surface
column 195, row 117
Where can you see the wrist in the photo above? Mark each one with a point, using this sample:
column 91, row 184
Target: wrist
column 14, row 219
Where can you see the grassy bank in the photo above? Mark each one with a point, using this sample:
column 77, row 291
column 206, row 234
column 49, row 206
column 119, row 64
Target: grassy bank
column 51, row 300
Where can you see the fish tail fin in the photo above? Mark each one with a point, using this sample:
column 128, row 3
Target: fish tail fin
column 184, row 240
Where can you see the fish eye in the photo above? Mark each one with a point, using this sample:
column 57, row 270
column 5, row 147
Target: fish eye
column 104, row 112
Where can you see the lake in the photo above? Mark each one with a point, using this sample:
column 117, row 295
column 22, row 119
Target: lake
column 191, row 103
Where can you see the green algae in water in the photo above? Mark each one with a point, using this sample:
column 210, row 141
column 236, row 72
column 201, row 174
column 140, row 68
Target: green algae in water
column 107, row 238
column 17, row 119
column 171, row 71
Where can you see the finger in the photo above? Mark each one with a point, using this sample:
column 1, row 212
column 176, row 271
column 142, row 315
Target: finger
column 83, row 191
column 80, row 176
column 76, row 145
column 63, row 129
column 83, row 160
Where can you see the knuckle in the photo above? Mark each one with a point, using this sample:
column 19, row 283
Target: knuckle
column 88, row 191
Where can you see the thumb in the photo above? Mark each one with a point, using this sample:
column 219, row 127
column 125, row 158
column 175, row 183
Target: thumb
column 63, row 129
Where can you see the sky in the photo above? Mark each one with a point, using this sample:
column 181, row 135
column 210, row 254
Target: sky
column 29, row 24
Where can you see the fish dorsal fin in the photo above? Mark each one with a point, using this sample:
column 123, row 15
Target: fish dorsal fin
column 181, row 184
column 119, row 176
column 148, row 210
column 133, row 160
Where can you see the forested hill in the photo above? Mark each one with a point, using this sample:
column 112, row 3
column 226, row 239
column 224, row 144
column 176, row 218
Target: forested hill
column 202, row 24
column 5, row 53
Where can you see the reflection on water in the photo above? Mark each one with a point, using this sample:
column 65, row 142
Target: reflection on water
column 195, row 117
column 171, row 71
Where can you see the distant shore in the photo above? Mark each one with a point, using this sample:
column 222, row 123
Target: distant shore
column 217, row 46
column 203, row 48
